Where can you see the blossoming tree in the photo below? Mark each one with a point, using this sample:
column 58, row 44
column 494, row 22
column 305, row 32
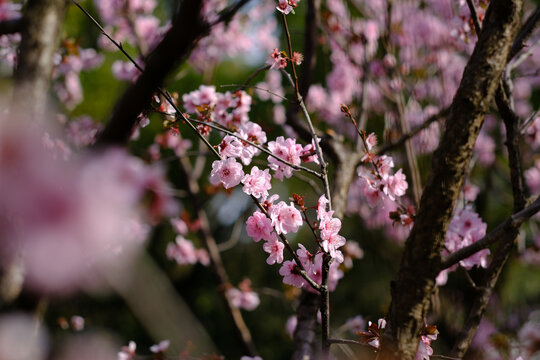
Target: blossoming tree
column 353, row 131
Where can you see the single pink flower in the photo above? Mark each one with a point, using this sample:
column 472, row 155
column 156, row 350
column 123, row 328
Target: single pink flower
column 275, row 249
column 227, row 172
column 259, row 226
column 257, row 183
column 291, row 274
column 285, row 218
column 284, row 7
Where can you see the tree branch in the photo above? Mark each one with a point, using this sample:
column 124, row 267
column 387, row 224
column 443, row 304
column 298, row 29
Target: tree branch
column 532, row 22
column 443, row 114
column 492, row 237
column 187, row 29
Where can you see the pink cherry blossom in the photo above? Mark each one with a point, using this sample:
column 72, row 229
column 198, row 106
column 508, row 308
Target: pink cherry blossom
column 227, row 172
column 259, row 226
column 257, row 183
column 285, row 218
column 532, row 177
column 275, row 249
column 230, row 146
column 396, row 185
column 182, row 251
column 304, row 255
column 297, row 58
column 205, row 97
column 247, row 300
column 277, row 61
column 288, row 150
column 291, row 275
column 284, row 7
column 329, row 228
column 161, row 347
column 124, row 70
column 252, row 131
column 465, row 228
column 371, row 141
column 128, row 352
column 423, row 351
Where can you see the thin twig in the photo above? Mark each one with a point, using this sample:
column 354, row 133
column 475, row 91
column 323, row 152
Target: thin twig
column 215, row 257
column 234, row 238
column 532, row 22
column 259, row 147
column 390, row 146
column 241, row 86
column 474, row 17
column 520, row 59
column 345, row 341
column 255, row 73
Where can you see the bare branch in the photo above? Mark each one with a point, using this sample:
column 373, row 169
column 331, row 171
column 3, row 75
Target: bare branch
column 525, row 33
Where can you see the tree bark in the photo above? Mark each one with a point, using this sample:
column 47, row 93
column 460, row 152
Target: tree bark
column 421, row 258
column 41, row 25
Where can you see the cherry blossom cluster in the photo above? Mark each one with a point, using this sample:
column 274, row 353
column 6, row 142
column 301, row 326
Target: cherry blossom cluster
column 377, row 191
column 130, row 22
column 465, row 228
column 278, row 59
column 312, row 264
column 129, row 352
column 68, row 64
column 78, row 215
column 69, row 61
column 184, row 252
column 246, row 34
column 285, row 218
column 229, row 110
column 9, row 42
column 244, row 297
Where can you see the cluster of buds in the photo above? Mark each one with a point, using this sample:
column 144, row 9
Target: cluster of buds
column 278, row 59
